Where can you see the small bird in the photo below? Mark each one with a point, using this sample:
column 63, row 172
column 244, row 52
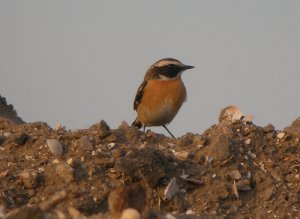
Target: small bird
column 161, row 94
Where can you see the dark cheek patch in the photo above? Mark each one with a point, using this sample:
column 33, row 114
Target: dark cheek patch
column 169, row 72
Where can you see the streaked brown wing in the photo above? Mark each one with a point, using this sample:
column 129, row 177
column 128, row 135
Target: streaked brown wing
column 139, row 95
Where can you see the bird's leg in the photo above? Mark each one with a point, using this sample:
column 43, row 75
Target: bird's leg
column 144, row 127
column 168, row 131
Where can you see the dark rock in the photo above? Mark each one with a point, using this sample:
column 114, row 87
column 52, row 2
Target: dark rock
column 244, row 185
column 269, row 128
column 21, row 139
column 2, row 139
column 101, row 128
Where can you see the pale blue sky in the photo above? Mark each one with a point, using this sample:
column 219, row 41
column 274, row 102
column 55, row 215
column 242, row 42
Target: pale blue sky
column 77, row 62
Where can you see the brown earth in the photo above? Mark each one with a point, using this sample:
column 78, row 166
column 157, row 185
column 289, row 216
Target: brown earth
column 238, row 170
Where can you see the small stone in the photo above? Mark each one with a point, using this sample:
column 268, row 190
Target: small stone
column 280, row 135
column 235, row 175
column 41, row 169
column 111, row 146
column 130, row 213
column 244, row 185
column 222, row 191
column 170, row 216
column 248, row 141
column 55, row 161
column 65, row 172
column 21, row 139
column 29, row 178
column 267, row 193
column 85, row 143
column 112, row 137
column 219, row 149
column 70, row 161
column 269, row 128
column 171, row 189
column 6, row 134
column 102, row 128
column 270, row 135
column 190, row 211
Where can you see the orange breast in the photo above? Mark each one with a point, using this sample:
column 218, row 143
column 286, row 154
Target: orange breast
column 161, row 101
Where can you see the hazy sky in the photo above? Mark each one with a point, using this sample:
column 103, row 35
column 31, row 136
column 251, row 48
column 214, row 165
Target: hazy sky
column 77, row 62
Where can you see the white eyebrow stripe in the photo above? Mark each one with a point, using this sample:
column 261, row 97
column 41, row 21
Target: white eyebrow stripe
column 168, row 62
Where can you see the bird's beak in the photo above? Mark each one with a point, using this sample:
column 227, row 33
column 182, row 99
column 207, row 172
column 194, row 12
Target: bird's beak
column 186, row 67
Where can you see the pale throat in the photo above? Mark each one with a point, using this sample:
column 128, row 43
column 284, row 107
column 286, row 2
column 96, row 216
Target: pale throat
column 166, row 78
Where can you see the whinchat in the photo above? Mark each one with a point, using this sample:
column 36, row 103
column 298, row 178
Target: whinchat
column 161, row 94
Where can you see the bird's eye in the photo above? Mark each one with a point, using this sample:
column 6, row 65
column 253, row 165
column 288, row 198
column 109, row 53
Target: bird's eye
column 170, row 66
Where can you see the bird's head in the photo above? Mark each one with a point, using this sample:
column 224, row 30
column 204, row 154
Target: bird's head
column 166, row 69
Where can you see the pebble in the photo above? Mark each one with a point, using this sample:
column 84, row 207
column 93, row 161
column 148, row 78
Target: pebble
column 65, row 172
column 267, row 194
column 172, row 189
column 41, row 169
column 6, row 134
column 70, row 161
column 102, row 128
column 55, row 161
column 269, row 128
column 190, row 211
column 21, row 139
column 235, row 175
column 280, row 135
column 270, row 135
column 85, row 143
column 219, row 149
column 29, row 178
column 170, row 216
column 248, row 141
column 130, row 213
column 243, row 185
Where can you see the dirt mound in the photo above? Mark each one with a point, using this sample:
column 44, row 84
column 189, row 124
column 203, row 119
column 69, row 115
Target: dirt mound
column 7, row 112
column 237, row 170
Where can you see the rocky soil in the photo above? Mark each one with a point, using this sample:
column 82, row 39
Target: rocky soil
column 233, row 170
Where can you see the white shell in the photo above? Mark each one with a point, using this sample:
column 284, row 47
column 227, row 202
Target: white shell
column 55, row 147
column 230, row 113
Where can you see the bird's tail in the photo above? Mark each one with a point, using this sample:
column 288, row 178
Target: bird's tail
column 137, row 123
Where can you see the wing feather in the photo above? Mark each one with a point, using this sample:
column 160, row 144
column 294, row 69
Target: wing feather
column 139, row 95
